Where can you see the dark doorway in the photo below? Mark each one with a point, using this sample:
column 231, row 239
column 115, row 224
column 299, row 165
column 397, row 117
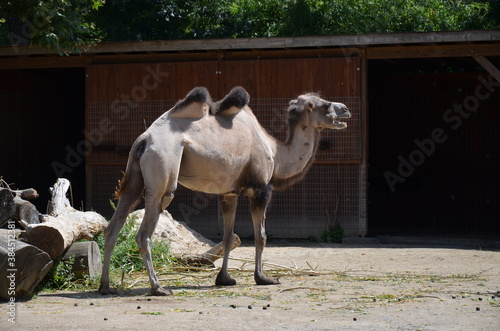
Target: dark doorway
column 433, row 147
column 43, row 118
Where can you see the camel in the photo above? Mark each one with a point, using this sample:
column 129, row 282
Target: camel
column 217, row 148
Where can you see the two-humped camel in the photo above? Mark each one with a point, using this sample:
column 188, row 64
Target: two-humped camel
column 218, row 148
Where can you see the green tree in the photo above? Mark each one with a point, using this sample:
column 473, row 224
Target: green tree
column 65, row 23
column 61, row 24
column 308, row 17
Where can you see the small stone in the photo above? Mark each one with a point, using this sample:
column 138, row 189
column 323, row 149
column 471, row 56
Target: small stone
column 233, row 306
column 91, row 303
column 264, row 308
column 453, row 296
column 480, row 299
column 268, row 305
column 250, row 307
column 201, row 313
column 105, row 318
column 149, row 299
column 478, row 309
column 138, row 307
column 354, row 319
column 76, row 305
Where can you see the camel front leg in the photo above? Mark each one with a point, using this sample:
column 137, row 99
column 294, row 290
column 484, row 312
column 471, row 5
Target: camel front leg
column 258, row 206
column 228, row 205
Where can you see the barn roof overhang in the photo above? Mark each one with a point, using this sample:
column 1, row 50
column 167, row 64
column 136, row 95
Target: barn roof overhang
column 372, row 46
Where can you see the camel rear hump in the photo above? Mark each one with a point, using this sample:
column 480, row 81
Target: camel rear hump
column 233, row 102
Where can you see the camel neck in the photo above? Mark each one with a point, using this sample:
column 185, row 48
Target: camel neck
column 295, row 156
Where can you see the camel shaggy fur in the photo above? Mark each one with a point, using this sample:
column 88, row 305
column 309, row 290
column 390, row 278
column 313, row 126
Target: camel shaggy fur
column 218, row 148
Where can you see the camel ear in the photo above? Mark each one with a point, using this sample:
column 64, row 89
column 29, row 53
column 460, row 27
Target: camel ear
column 309, row 105
column 196, row 104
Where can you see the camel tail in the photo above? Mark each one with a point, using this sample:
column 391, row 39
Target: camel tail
column 133, row 167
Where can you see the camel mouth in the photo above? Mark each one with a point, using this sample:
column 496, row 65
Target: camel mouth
column 339, row 124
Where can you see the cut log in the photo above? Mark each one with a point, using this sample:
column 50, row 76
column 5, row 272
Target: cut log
column 22, row 267
column 26, row 211
column 14, row 206
column 56, row 234
column 7, row 206
column 209, row 257
column 87, row 259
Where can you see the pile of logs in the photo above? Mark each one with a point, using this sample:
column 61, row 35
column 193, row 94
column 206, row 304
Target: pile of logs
column 27, row 256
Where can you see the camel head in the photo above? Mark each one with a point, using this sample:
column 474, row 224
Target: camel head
column 322, row 114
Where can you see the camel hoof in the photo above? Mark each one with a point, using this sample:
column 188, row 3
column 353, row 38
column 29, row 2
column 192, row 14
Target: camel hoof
column 161, row 292
column 264, row 280
column 106, row 290
column 224, row 280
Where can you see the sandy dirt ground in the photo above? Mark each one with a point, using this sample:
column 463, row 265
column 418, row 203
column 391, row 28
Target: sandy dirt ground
column 323, row 287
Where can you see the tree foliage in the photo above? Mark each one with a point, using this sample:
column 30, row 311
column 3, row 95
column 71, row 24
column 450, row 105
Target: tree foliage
column 65, row 23
column 60, row 24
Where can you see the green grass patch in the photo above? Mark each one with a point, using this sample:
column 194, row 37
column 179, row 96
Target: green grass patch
column 125, row 258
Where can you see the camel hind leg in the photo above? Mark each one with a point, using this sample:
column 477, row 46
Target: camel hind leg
column 160, row 182
column 126, row 203
column 154, row 206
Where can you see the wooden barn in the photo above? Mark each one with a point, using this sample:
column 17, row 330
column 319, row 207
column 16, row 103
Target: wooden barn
column 420, row 155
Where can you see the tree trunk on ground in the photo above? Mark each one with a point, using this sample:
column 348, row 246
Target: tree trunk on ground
column 87, row 259
column 56, row 234
column 22, row 267
column 64, row 225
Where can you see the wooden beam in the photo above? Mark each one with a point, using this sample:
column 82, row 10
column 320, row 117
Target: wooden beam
column 43, row 62
column 488, row 66
column 339, row 41
column 428, row 51
column 225, row 55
